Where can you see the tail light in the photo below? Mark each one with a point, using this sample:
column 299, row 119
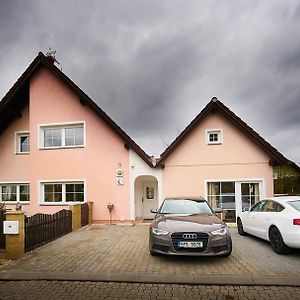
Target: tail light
column 296, row 221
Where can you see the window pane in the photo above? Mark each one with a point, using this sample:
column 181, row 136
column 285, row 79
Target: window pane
column 214, row 201
column 70, row 188
column 70, row 136
column 214, row 188
column 227, row 187
column 24, row 143
column 79, row 197
column 295, row 204
column 79, row 136
column 228, row 202
column 79, row 187
column 52, row 137
column 75, row 192
column 57, row 188
column 24, row 192
column 9, row 192
column 53, row 192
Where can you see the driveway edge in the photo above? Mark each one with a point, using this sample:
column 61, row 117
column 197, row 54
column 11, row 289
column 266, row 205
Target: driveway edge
column 263, row 280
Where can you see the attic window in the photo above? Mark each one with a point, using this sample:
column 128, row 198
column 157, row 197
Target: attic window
column 22, row 142
column 213, row 136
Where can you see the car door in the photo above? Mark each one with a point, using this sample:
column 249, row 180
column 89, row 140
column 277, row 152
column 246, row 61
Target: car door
column 270, row 215
column 253, row 219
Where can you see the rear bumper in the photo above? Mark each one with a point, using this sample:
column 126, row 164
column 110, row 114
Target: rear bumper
column 292, row 240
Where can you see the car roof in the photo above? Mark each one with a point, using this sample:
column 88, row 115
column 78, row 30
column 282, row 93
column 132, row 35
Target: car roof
column 284, row 199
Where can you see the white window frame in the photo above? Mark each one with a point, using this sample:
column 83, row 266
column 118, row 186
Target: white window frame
column 41, row 195
column 18, row 136
column 217, row 131
column 238, row 181
column 17, row 183
column 42, row 127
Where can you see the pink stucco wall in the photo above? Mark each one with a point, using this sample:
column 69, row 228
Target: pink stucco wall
column 14, row 167
column 194, row 162
column 96, row 163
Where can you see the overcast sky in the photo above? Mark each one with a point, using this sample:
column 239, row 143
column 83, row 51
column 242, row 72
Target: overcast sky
column 152, row 66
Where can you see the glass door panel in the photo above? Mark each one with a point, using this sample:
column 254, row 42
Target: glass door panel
column 250, row 194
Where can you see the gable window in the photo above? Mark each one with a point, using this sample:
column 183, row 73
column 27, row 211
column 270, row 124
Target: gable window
column 214, row 136
column 12, row 192
column 22, row 142
column 69, row 135
column 62, row 192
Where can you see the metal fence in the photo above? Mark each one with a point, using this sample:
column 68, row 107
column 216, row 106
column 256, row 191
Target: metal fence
column 41, row 229
column 2, row 236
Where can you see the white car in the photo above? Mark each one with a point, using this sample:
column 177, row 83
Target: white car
column 276, row 220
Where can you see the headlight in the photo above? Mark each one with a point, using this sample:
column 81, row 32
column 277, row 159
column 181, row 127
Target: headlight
column 158, row 231
column 221, row 231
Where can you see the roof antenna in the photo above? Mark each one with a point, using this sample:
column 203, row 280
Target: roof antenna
column 51, row 56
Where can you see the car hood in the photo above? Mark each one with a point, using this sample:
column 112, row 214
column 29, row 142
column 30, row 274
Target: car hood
column 188, row 223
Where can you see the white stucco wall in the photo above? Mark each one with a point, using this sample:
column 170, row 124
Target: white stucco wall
column 137, row 167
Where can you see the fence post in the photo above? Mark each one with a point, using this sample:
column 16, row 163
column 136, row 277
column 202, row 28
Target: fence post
column 76, row 216
column 15, row 243
column 90, row 204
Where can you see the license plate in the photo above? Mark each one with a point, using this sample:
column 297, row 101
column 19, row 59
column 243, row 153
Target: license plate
column 190, row 244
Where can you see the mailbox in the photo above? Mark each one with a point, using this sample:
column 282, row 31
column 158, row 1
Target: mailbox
column 11, row 227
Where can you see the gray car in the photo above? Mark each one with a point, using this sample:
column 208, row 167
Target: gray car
column 189, row 227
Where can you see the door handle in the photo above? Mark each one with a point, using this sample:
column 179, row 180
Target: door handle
column 142, row 199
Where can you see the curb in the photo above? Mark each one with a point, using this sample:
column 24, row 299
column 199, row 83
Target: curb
column 262, row 280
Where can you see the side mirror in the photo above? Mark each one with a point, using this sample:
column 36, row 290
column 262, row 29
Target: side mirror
column 218, row 210
column 246, row 209
column 154, row 210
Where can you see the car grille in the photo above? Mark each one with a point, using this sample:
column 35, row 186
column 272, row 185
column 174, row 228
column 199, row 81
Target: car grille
column 178, row 236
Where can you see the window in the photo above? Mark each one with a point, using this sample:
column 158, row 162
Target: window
column 258, row 206
column 214, row 136
column 62, row 192
column 11, row 192
column 295, row 204
column 22, row 142
column 272, row 206
column 62, row 136
column 222, row 195
column 250, row 194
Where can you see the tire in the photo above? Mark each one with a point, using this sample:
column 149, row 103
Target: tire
column 240, row 227
column 277, row 242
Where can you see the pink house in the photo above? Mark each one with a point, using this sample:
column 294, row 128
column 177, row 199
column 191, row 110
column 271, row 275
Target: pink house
column 58, row 148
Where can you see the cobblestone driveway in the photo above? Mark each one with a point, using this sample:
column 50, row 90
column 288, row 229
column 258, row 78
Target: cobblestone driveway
column 124, row 250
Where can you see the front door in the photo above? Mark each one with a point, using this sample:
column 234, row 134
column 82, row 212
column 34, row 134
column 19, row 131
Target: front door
column 149, row 199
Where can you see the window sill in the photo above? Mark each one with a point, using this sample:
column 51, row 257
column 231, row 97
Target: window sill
column 59, row 203
column 63, row 147
column 214, row 143
column 15, row 202
column 22, row 153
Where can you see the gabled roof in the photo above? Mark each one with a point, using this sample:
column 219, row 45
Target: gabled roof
column 18, row 96
column 217, row 106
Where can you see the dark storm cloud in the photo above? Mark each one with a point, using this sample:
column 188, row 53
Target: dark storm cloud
column 153, row 65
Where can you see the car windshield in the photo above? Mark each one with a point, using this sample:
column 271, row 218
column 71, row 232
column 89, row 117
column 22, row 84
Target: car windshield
column 185, row 206
column 295, row 204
